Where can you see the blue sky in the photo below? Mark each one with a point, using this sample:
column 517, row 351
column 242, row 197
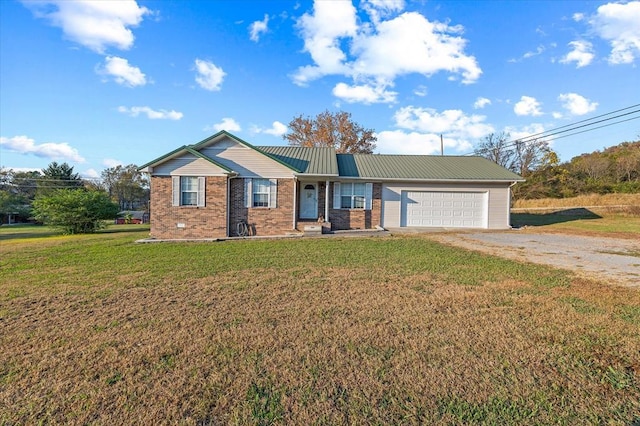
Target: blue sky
column 102, row 83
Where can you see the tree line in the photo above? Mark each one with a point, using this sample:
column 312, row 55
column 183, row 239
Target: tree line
column 57, row 194
column 34, row 194
column 614, row 170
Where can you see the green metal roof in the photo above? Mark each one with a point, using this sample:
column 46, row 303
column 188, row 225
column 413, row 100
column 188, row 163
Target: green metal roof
column 311, row 161
column 323, row 161
column 422, row 167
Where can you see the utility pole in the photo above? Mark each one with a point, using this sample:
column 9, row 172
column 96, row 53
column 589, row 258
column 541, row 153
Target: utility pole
column 441, row 146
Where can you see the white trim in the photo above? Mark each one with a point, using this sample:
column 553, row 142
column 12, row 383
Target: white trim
column 175, row 191
column 201, row 199
column 273, row 193
column 336, row 195
column 326, row 202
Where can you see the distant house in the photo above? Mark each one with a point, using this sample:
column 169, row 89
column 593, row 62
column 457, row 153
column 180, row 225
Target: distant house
column 224, row 186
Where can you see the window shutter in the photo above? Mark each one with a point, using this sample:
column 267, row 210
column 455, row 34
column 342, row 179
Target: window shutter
column 273, row 196
column 247, row 193
column 336, row 195
column 368, row 194
column 201, row 191
column 175, row 194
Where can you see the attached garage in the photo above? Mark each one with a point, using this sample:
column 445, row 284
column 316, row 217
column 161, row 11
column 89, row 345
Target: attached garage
column 444, row 209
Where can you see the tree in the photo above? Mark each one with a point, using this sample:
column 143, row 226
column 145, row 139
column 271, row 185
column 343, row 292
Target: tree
column 495, row 147
column 126, row 185
column 530, row 155
column 522, row 157
column 58, row 176
column 336, row 130
column 15, row 194
column 75, row 211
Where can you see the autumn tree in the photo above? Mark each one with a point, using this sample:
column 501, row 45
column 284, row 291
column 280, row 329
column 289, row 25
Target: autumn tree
column 519, row 156
column 336, row 130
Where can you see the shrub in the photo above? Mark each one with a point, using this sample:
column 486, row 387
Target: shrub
column 75, row 211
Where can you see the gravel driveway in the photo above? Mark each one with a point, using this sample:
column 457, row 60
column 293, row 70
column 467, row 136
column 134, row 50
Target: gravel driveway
column 613, row 260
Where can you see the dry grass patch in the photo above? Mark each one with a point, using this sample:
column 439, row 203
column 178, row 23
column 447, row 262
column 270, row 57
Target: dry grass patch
column 366, row 331
column 581, row 201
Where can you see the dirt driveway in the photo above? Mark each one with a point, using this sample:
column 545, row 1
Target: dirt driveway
column 613, row 260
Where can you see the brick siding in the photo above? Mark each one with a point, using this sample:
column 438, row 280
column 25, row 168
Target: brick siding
column 199, row 222
column 263, row 220
column 342, row 219
column 210, row 221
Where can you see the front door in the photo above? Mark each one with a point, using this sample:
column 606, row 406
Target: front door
column 309, row 201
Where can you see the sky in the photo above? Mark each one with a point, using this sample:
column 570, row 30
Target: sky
column 98, row 84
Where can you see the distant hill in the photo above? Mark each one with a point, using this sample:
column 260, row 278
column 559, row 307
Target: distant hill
column 614, row 170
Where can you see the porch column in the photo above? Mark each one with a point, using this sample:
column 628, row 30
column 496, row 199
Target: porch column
column 326, row 202
column 295, row 201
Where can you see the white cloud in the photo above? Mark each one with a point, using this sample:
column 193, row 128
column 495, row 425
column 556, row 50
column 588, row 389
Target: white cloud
column 576, row 104
column 227, row 123
column 578, row 16
column 516, row 133
column 123, row 73
column 322, row 32
column 582, row 54
column 151, row 113
column 90, row 174
column 366, row 94
column 527, row 106
column 277, row 129
column 54, row 151
column 539, row 50
column 373, row 54
column 421, row 129
column 420, row 91
column 110, row 162
column 414, row 143
column 93, row 24
column 378, row 9
column 209, row 76
column 619, row 24
column 481, row 103
column 257, row 28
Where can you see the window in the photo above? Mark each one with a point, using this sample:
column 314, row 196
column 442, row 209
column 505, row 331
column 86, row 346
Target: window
column 188, row 191
column 352, row 195
column 260, row 192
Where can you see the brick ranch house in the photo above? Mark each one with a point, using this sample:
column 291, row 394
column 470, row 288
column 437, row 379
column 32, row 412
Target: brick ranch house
column 212, row 188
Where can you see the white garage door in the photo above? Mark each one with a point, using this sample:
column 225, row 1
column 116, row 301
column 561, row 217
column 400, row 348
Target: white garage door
column 444, row 209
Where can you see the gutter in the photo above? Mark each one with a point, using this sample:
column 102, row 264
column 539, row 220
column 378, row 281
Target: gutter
column 417, row 180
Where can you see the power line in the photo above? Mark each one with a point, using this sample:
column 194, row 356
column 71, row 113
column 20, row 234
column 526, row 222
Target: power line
column 573, row 126
column 585, row 120
column 599, row 127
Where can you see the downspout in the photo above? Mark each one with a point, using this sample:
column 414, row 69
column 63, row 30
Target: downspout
column 509, row 205
column 326, row 202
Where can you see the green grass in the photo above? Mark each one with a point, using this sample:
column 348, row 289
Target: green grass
column 393, row 330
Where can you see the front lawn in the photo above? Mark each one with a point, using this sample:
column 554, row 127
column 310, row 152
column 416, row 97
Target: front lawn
column 392, row 330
